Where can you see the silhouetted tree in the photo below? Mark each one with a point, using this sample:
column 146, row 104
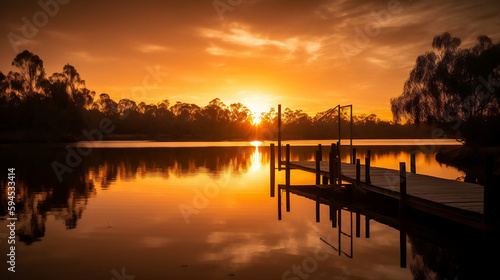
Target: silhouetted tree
column 456, row 86
column 32, row 73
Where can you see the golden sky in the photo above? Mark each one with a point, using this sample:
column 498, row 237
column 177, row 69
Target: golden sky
column 304, row 54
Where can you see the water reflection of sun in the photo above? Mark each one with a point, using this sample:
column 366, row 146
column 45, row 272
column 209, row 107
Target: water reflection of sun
column 256, row 158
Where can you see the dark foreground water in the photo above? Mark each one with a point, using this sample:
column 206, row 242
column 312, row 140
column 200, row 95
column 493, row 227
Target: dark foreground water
column 204, row 211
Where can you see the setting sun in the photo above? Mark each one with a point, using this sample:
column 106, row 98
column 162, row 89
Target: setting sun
column 256, row 118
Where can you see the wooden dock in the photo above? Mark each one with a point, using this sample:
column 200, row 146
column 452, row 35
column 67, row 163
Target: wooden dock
column 453, row 200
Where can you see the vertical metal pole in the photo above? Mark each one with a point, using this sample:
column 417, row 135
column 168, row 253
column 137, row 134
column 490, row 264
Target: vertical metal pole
column 279, row 137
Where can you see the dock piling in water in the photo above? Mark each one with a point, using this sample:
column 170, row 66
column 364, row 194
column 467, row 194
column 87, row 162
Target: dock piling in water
column 358, row 171
column 318, row 167
column 320, row 148
column 330, row 169
column 413, row 168
column 279, row 137
column 402, row 187
column 273, row 170
column 287, row 166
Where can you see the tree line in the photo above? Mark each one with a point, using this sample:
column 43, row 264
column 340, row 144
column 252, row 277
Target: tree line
column 38, row 107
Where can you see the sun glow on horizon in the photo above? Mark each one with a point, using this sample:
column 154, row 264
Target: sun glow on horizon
column 256, row 143
column 257, row 118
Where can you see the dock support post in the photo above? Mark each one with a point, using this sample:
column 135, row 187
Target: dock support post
column 402, row 206
column 318, row 166
column 358, row 171
column 330, row 169
column 320, row 148
column 287, row 177
column 402, row 247
column 353, row 159
column 279, row 203
column 339, row 166
column 413, row 168
column 488, row 189
column 367, row 167
column 333, row 214
column 272, row 171
column 317, row 205
column 279, row 137
column 358, row 225
column 340, row 230
column 402, row 188
column 367, row 227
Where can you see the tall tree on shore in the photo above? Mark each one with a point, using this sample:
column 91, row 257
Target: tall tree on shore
column 31, row 73
column 456, row 86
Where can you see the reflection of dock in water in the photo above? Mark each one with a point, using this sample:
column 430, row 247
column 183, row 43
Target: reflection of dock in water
column 363, row 209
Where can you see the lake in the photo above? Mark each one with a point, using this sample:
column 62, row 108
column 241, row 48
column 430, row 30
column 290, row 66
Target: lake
column 158, row 210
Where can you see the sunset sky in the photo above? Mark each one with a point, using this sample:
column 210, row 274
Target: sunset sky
column 307, row 54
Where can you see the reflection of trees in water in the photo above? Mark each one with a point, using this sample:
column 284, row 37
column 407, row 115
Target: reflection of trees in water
column 39, row 194
column 431, row 261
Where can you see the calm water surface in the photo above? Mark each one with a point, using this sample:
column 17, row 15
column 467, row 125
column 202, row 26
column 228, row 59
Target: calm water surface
column 201, row 211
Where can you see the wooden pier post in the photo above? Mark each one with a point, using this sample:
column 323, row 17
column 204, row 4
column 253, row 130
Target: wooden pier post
column 402, row 188
column 353, row 159
column 331, row 166
column 413, row 168
column 367, row 227
column 488, row 189
column 273, row 170
column 358, row 171
column 318, row 167
column 320, row 148
column 317, row 204
column 402, row 247
column 287, row 166
column 279, row 203
column 339, row 166
column 358, row 225
column 333, row 214
column 279, row 137
column 340, row 230
column 367, row 167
